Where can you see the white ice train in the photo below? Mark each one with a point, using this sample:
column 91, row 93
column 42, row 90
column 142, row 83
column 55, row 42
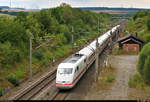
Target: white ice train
column 71, row 70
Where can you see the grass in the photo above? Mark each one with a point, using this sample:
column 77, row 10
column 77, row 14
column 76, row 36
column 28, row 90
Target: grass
column 136, row 81
column 1, row 91
column 110, row 79
column 138, row 88
column 48, row 93
column 106, row 79
column 13, row 79
column 147, row 89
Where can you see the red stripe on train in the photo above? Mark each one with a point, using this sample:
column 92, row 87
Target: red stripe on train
column 62, row 84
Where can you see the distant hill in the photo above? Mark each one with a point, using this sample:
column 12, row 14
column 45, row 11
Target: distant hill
column 107, row 8
column 15, row 8
column 115, row 11
column 4, row 7
column 18, row 8
column 14, row 11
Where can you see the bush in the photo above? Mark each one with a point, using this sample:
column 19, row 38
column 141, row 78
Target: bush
column 146, row 70
column 38, row 54
column 110, row 79
column 8, row 66
column 146, row 37
column 9, row 55
column 43, row 62
column 13, row 79
column 46, row 58
column 1, row 72
column 5, row 53
column 48, row 93
column 1, row 79
column 136, row 80
column 19, row 74
column 60, row 52
column 1, row 91
column 142, row 58
column 139, row 14
column 148, row 23
column 17, row 55
column 12, row 31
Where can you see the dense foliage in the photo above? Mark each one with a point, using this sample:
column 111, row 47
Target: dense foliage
column 13, row 41
column 144, row 63
column 140, row 24
column 148, row 23
column 57, row 22
column 51, row 27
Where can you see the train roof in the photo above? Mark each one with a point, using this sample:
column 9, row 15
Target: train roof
column 71, row 61
column 114, row 28
column 103, row 37
column 86, row 51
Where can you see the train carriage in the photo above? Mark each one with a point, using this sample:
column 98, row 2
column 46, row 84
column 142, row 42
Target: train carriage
column 71, row 70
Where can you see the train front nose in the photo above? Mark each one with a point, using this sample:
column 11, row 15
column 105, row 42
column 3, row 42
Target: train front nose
column 64, row 84
column 64, row 78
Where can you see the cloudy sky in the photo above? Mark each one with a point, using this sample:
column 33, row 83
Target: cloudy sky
column 76, row 3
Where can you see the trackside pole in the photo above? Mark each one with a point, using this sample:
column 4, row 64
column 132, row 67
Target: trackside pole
column 97, row 56
column 72, row 39
column 30, row 56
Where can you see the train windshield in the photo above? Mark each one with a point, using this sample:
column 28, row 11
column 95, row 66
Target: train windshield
column 65, row 71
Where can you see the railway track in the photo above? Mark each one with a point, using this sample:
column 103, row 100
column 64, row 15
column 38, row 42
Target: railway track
column 59, row 95
column 30, row 92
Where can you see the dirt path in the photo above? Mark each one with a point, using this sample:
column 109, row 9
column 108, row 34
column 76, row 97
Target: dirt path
column 125, row 67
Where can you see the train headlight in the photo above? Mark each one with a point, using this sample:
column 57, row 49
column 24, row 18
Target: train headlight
column 58, row 82
column 68, row 82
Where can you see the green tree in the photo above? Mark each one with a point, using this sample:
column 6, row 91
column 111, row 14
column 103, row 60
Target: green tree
column 67, row 13
column 48, row 22
column 148, row 23
column 57, row 13
column 22, row 18
column 146, row 70
column 64, row 29
column 139, row 14
column 14, row 32
column 60, row 39
column 142, row 58
column 34, row 27
column 9, row 55
column 146, row 37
